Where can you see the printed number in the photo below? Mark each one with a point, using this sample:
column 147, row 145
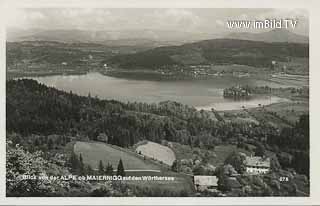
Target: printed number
column 284, row 179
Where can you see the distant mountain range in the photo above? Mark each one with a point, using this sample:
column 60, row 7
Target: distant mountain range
column 147, row 37
column 215, row 51
column 162, row 48
column 276, row 35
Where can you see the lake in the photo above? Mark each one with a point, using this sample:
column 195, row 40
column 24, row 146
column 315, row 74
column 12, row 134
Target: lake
column 202, row 94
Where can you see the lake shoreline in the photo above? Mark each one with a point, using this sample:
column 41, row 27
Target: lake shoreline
column 247, row 104
column 200, row 94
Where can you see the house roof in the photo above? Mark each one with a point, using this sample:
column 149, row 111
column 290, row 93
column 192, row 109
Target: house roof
column 206, row 180
column 257, row 161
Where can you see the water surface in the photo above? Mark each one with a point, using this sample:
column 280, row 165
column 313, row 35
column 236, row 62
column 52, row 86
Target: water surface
column 202, row 94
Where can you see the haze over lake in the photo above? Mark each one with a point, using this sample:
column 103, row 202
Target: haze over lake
column 202, row 94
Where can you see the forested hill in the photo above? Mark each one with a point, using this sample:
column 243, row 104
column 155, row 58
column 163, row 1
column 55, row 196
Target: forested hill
column 216, row 51
column 37, row 109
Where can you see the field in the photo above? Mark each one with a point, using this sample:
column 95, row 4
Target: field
column 134, row 165
column 283, row 114
column 216, row 157
column 270, row 118
column 157, row 151
column 93, row 152
column 290, row 111
column 290, row 81
column 238, row 116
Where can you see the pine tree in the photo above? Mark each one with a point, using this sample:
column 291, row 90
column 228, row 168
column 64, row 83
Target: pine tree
column 101, row 167
column 120, row 170
column 109, row 169
column 176, row 166
column 81, row 165
column 36, row 142
column 74, row 162
column 89, row 170
column 50, row 144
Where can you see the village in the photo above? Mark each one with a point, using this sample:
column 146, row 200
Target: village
column 217, row 180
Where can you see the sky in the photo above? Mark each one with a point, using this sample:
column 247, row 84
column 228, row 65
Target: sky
column 188, row 20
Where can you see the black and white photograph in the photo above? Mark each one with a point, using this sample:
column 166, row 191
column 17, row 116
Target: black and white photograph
column 157, row 102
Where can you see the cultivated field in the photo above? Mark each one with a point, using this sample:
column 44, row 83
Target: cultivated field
column 93, row 152
column 216, row 157
column 290, row 111
column 157, row 151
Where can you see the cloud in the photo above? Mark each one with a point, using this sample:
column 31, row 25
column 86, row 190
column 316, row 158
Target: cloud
column 285, row 13
column 177, row 18
column 301, row 15
column 219, row 22
column 18, row 17
column 60, row 18
column 79, row 18
column 190, row 20
column 243, row 17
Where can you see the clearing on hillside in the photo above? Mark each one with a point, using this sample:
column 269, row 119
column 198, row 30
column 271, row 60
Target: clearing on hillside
column 216, row 157
column 93, row 152
column 157, row 151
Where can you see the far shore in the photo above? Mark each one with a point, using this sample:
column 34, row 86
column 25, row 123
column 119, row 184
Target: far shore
column 229, row 106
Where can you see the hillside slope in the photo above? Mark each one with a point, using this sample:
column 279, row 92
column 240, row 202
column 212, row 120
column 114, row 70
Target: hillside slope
column 276, row 35
column 92, row 152
column 216, row 51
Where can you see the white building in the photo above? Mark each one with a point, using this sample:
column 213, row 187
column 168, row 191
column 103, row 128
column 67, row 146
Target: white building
column 257, row 165
column 202, row 183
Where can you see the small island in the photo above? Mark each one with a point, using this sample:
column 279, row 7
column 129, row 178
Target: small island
column 238, row 92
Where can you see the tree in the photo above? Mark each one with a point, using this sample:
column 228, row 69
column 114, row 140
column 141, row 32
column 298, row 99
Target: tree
column 74, row 163
column 120, row 170
column 89, row 170
column 109, row 169
column 223, row 183
column 176, row 166
column 36, row 142
column 199, row 170
column 50, row 144
column 260, row 150
column 101, row 167
column 237, row 161
column 303, row 124
column 20, row 162
column 81, row 165
column 190, row 142
column 102, row 192
column 223, row 173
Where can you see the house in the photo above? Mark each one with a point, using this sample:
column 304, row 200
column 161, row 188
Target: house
column 257, row 165
column 203, row 183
